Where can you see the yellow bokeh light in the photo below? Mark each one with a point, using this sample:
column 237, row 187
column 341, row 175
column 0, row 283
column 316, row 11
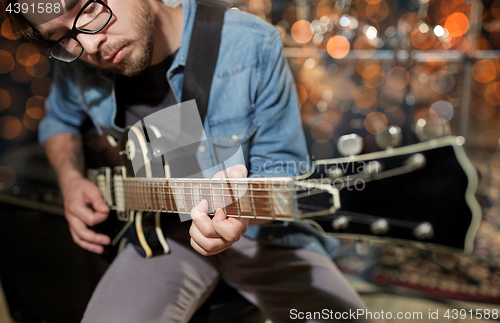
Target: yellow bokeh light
column 36, row 101
column 365, row 97
column 35, row 113
column 495, row 9
column 7, row 31
column 30, row 122
column 484, row 71
column 422, row 40
column 6, row 62
column 492, row 93
column 5, row 99
column 338, row 46
column 375, row 122
column 40, row 69
column 322, row 131
column 426, row 114
column 398, row 78
column 260, row 7
column 324, row 11
column 27, row 54
column 318, row 94
column 457, row 24
column 419, row 77
column 302, row 31
column 390, row 100
column 373, row 76
column 10, row 127
column 377, row 11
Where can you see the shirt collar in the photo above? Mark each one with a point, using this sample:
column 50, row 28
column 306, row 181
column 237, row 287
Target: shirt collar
column 188, row 11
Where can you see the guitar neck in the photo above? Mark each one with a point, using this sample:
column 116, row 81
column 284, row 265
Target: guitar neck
column 256, row 198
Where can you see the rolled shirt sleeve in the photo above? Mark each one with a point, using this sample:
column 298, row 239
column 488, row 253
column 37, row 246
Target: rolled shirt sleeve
column 64, row 111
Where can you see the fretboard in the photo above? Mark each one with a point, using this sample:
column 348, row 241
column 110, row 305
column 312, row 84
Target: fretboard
column 257, row 198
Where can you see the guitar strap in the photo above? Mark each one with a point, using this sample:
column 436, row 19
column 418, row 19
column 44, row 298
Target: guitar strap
column 198, row 74
column 202, row 55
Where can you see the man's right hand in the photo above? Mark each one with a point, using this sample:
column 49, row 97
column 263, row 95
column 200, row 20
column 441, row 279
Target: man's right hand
column 84, row 206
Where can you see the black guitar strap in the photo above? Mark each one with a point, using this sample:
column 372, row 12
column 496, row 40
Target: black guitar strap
column 202, row 55
column 198, row 74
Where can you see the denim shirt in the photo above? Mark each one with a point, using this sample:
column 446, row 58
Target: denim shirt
column 253, row 103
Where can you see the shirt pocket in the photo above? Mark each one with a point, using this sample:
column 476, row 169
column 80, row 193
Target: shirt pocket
column 229, row 135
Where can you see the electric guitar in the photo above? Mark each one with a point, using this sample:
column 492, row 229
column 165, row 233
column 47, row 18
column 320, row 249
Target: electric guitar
column 423, row 194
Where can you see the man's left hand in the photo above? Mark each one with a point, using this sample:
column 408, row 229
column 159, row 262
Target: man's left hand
column 212, row 236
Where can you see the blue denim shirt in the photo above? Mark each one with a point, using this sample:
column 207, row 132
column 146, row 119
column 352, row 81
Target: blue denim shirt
column 253, row 96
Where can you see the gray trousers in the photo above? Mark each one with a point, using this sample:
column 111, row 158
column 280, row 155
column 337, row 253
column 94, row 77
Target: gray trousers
column 170, row 288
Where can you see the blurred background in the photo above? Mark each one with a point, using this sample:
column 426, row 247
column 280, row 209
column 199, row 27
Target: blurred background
column 429, row 67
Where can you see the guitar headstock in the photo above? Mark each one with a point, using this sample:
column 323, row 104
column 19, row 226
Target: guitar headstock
column 423, row 193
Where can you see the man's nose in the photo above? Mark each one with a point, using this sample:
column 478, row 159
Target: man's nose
column 91, row 43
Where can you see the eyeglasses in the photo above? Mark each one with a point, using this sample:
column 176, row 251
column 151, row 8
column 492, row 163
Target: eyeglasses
column 91, row 19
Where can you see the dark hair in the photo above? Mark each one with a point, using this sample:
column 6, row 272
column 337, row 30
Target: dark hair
column 19, row 24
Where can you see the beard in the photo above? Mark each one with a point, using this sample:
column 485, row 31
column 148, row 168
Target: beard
column 132, row 65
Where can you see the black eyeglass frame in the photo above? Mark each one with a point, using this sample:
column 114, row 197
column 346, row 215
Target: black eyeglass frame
column 75, row 30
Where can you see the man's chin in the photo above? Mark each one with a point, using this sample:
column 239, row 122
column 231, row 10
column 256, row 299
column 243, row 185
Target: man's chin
column 125, row 68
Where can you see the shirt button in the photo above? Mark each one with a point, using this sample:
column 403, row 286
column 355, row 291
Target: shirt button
column 201, row 149
column 234, row 138
column 312, row 244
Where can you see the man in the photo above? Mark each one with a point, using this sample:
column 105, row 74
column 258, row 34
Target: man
column 284, row 268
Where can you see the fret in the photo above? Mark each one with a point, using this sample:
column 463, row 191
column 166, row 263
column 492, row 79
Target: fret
column 222, row 191
column 160, row 196
column 164, row 195
column 170, row 197
column 146, row 197
column 139, row 195
column 151, row 187
column 176, row 199
column 237, row 198
column 270, row 200
column 150, row 197
column 192, row 193
column 138, row 192
column 252, row 198
column 143, row 197
column 211, row 196
column 157, row 196
column 199, row 191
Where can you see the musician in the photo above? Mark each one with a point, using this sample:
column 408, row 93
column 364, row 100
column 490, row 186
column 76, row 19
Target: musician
column 281, row 267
